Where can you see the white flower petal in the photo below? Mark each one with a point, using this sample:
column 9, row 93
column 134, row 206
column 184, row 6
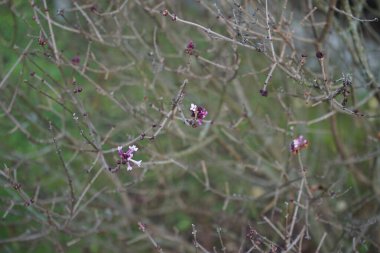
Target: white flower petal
column 138, row 163
column 133, row 148
column 193, row 107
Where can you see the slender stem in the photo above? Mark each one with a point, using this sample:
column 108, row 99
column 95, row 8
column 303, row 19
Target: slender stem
column 321, row 242
column 55, row 50
column 269, row 32
column 69, row 179
column 16, row 63
column 91, row 23
column 293, row 222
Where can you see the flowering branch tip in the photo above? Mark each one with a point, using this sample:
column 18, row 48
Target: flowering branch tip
column 298, row 144
column 126, row 157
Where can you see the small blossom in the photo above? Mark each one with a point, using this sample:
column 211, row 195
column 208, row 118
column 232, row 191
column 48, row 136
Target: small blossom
column 42, row 41
column 198, row 113
column 142, row 226
column 319, row 55
column 165, row 12
column 78, row 90
column 190, row 48
column 190, row 45
column 133, row 148
column 75, row 60
column 193, row 107
column 138, row 163
column 126, row 157
column 298, row 144
column 264, row 92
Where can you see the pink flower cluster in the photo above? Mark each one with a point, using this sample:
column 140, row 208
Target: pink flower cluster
column 198, row 113
column 298, row 144
column 190, row 48
column 126, row 157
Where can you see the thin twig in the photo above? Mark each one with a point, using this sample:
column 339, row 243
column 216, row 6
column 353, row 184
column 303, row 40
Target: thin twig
column 8, row 74
column 274, row 228
column 88, row 186
column 269, row 32
column 321, row 242
column 355, row 18
column 55, row 50
column 172, row 111
column 68, row 176
column 293, row 222
column 91, row 23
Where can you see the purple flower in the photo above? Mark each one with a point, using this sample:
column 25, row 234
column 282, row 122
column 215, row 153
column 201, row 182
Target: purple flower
column 75, row 60
column 297, row 144
column 198, row 113
column 126, row 157
column 264, row 92
column 190, row 47
column 319, row 55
